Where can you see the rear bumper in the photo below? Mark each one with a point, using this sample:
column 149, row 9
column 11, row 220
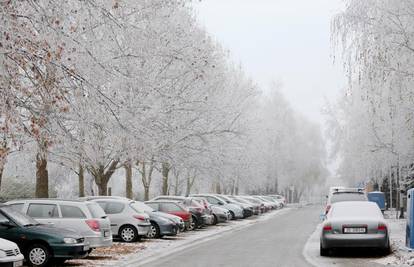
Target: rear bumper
column 222, row 218
column 169, row 229
column 354, row 240
column 143, row 229
column 99, row 241
column 208, row 219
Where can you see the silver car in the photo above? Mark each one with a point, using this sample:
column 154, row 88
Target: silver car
column 354, row 224
column 128, row 221
column 235, row 211
column 87, row 218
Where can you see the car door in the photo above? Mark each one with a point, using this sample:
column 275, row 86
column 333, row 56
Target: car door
column 74, row 218
column 45, row 213
column 114, row 211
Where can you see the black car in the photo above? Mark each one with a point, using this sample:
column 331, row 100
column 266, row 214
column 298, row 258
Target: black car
column 40, row 244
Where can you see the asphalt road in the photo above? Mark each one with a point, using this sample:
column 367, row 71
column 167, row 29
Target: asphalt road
column 278, row 241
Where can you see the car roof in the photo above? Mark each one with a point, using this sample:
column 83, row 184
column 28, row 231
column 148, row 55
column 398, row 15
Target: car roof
column 46, row 199
column 161, row 201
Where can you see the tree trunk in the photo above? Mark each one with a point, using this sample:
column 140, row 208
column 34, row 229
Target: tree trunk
column 218, row 187
column 128, row 180
column 1, row 173
column 146, row 193
column 165, row 171
column 102, row 177
column 42, row 177
column 81, row 176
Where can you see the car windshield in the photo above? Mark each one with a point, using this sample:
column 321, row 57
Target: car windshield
column 141, row 207
column 96, row 210
column 339, row 197
column 353, row 209
column 19, row 217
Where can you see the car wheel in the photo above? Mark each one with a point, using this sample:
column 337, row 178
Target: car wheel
column 128, row 234
column 387, row 250
column 154, row 231
column 323, row 251
column 233, row 217
column 193, row 224
column 215, row 220
column 38, row 255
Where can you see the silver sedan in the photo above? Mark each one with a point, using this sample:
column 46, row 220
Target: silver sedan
column 354, row 224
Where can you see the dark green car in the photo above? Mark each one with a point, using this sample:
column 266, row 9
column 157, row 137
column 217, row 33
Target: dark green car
column 40, row 244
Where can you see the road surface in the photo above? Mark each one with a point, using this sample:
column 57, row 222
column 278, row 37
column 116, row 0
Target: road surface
column 280, row 241
column 275, row 242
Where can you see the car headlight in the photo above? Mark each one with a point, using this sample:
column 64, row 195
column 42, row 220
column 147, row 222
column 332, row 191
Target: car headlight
column 70, row 240
column 2, row 253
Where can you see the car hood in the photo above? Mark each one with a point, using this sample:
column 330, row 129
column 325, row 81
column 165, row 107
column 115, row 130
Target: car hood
column 53, row 231
column 167, row 216
column 7, row 245
column 218, row 210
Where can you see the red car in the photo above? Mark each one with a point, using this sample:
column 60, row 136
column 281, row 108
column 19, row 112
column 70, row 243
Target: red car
column 172, row 207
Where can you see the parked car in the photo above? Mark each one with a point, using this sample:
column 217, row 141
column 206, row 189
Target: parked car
column 280, row 198
column 269, row 203
column 258, row 202
column 235, row 211
column 220, row 214
column 87, row 218
column 278, row 203
column 247, row 208
column 161, row 223
column 128, row 221
column 153, row 216
column 354, row 224
column 200, row 215
column 10, row 254
column 255, row 206
column 345, row 194
column 174, row 208
column 41, row 244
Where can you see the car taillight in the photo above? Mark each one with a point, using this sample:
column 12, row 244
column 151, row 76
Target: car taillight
column 327, row 209
column 327, row 227
column 139, row 217
column 94, row 225
column 382, row 227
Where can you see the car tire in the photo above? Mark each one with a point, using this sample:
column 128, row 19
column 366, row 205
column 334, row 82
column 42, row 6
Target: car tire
column 154, row 231
column 233, row 217
column 215, row 220
column 193, row 224
column 387, row 250
column 38, row 255
column 128, row 234
column 324, row 252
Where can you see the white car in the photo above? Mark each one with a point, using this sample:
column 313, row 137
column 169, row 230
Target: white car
column 10, row 254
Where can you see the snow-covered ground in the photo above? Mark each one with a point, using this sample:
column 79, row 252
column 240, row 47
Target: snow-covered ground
column 141, row 253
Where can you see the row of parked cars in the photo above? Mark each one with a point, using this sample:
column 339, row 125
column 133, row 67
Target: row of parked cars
column 50, row 231
column 352, row 220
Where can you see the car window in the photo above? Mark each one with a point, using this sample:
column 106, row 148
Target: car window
column 140, row 207
column 155, row 206
column 113, row 207
column 348, row 197
column 17, row 206
column 96, row 210
column 171, row 207
column 43, row 211
column 212, row 200
column 71, row 212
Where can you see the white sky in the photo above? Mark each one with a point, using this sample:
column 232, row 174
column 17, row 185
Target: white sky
column 287, row 40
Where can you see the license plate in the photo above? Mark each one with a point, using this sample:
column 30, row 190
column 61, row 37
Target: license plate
column 85, row 248
column 18, row 264
column 106, row 233
column 355, row 230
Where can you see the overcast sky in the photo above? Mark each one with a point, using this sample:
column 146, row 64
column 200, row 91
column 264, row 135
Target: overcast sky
column 280, row 40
